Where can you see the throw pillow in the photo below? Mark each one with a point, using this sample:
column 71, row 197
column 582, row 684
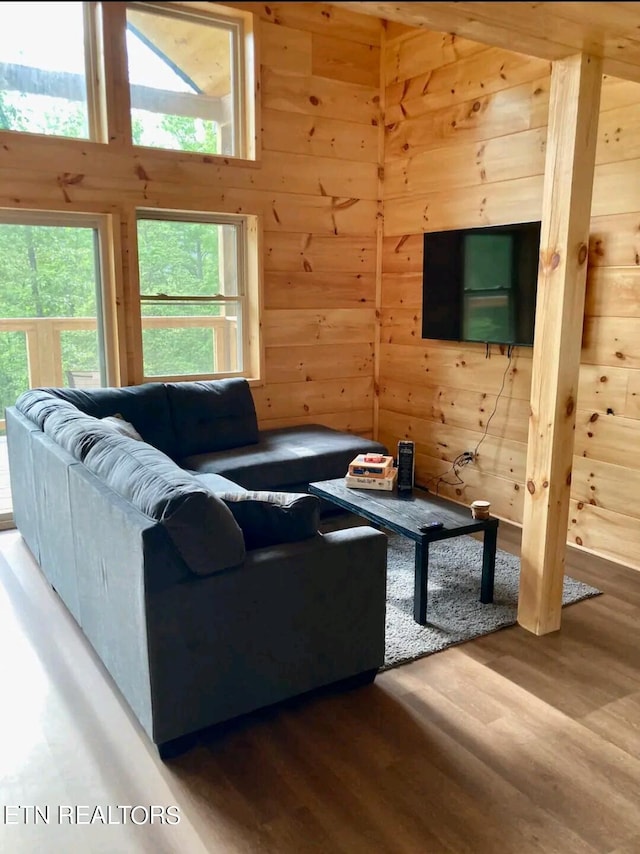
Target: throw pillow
column 269, row 518
column 121, row 426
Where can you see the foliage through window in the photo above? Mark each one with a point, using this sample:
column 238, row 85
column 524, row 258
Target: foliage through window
column 193, row 295
column 52, row 307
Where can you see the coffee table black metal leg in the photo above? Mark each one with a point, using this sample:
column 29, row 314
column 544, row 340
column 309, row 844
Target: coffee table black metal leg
column 420, row 583
column 488, row 564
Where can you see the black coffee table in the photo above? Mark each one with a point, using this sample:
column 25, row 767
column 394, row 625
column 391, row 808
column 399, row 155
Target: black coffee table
column 406, row 516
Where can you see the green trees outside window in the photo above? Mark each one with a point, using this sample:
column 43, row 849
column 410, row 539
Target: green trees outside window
column 189, row 274
column 46, row 272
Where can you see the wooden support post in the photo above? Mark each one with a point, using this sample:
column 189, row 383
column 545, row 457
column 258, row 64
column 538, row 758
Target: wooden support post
column 566, row 209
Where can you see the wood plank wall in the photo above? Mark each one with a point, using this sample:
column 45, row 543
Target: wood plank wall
column 464, row 145
column 315, row 189
column 321, row 122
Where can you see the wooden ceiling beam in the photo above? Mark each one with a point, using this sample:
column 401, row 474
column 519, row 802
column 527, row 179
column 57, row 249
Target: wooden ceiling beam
column 546, row 30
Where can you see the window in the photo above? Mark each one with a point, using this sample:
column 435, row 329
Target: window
column 55, row 318
column 190, row 71
column 43, row 80
column 198, row 294
column 185, row 80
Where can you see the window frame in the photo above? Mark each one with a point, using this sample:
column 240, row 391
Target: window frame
column 240, row 71
column 106, row 73
column 102, row 223
column 248, row 284
column 91, row 48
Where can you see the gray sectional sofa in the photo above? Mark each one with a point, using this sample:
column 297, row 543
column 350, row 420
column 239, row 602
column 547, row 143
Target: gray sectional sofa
column 181, row 538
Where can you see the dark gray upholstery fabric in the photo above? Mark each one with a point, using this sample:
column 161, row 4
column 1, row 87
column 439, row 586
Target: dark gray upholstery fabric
column 75, row 431
column 22, row 474
column 38, row 404
column 133, row 543
column 216, row 483
column 212, row 416
column 113, row 563
column 292, row 618
column 286, row 456
column 200, row 524
column 58, row 559
column 269, row 518
column 145, row 406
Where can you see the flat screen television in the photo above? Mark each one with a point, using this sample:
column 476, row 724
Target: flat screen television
column 479, row 284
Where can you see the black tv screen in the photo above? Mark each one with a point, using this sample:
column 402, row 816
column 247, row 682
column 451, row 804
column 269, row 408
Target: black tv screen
column 479, row 284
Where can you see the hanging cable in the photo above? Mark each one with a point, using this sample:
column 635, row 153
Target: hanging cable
column 467, row 457
column 495, row 407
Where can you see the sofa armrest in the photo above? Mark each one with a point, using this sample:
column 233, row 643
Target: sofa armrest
column 292, row 618
column 268, row 518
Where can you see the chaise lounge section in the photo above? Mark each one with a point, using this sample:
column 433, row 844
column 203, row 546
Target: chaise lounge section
column 183, row 541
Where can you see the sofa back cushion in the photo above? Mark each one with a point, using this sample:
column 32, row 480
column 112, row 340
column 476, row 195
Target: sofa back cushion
column 212, row 415
column 145, row 406
column 38, row 404
column 201, row 526
column 75, row 431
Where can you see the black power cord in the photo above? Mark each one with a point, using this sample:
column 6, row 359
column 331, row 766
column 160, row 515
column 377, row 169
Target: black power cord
column 495, row 407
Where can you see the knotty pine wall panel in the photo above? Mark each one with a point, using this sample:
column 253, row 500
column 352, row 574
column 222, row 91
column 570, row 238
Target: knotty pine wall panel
column 605, row 532
column 320, row 87
column 313, row 399
column 321, row 362
column 461, row 408
column 601, row 388
column 479, row 74
column 504, row 112
column 419, row 51
column 315, row 187
column 321, row 18
column 613, row 292
column 460, row 366
column 295, row 252
column 322, row 290
column 504, row 158
column 614, row 241
column 465, row 137
column 299, row 133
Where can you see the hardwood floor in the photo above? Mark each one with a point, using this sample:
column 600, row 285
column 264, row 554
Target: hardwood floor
column 506, row 745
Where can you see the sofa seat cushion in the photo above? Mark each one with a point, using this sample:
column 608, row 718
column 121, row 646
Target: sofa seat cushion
column 271, row 518
column 212, row 415
column 201, row 525
column 286, row 456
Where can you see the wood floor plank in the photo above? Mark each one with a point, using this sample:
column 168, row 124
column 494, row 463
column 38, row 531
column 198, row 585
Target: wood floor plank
column 509, row 744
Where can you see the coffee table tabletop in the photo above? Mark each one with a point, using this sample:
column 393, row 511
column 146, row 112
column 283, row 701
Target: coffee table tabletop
column 408, row 515
column 403, row 515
